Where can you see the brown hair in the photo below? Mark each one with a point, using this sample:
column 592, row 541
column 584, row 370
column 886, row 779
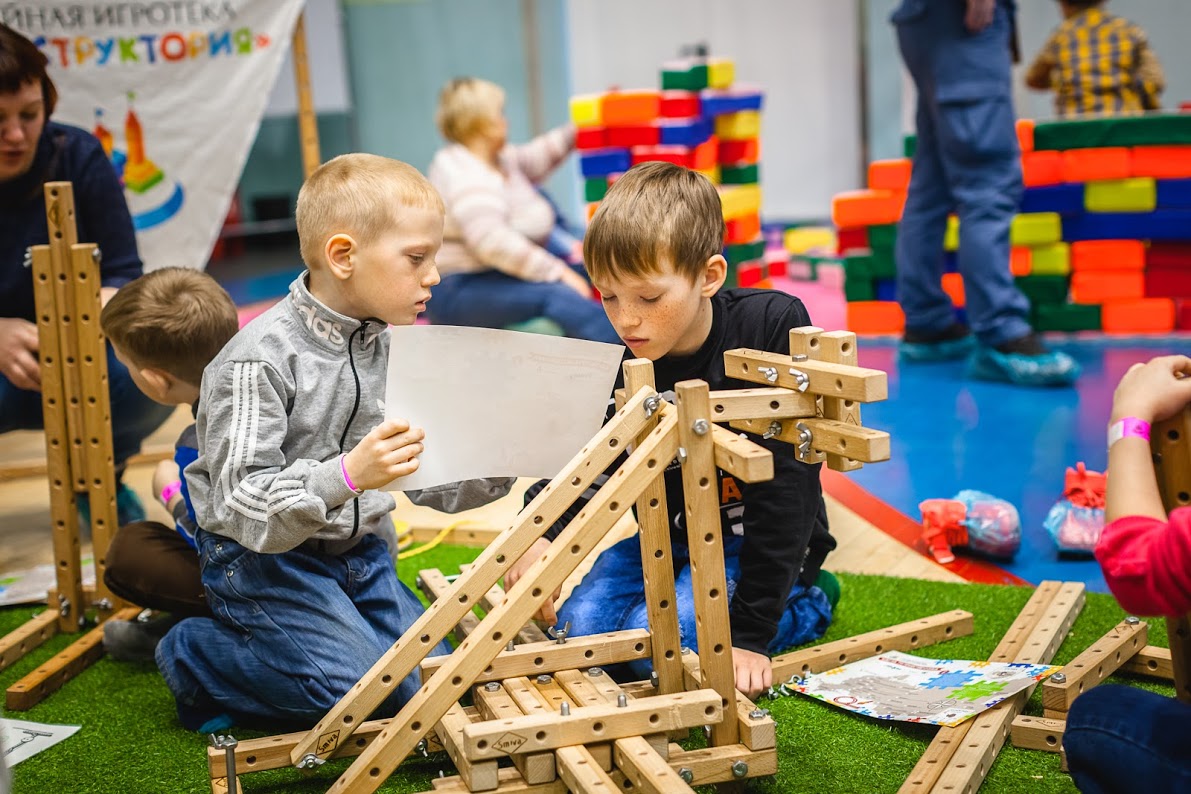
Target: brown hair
column 20, row 63
column 656, row 210
column 466, row 105
column 360, row 195
column 174, row 319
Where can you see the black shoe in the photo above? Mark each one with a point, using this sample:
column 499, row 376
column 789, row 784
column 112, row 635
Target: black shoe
column 952, row 343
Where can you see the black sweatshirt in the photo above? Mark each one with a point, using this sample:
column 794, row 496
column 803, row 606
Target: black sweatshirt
column 784, row 520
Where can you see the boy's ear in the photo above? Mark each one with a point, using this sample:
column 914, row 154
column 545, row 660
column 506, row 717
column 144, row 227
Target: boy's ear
column 714, row 275
column 159, row 380
column 338, row 252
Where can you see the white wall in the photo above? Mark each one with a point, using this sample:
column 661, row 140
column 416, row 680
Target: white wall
column 802, row 52
column 328, row 65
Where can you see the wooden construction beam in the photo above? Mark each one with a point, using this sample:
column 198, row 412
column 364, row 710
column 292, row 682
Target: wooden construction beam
column 433, row 583
column 479, row 775
column 495, row 703
column 757, row 729
column 908, row 636
column 804, row 346
column 1098, row 662
column 648, row 771
column 839, row 347
column 706, row 547
column 444, row 613
column 1037, row 733
column 595, row 688
column 553, row 696
column 549, row 657
column 827, row 435
column 1151, row 661
column 546, row 574
column 1170, row 442
column 762, row 404
column 307, row 118
column 740, row 457
column 32, row 634
column 582, row 774
column 494, row 598
column 830, row 380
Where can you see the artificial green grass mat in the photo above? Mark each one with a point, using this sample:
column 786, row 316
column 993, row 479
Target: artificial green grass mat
column 131, row 743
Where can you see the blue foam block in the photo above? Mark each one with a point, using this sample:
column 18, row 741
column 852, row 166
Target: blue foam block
column 1159, row 225
column 1174, row 194
column 602, row 162
column 717, row 103
column 886, row 289
column 1063, row 199
column 685, row 132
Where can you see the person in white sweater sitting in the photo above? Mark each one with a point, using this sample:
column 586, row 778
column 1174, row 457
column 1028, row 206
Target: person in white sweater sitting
column 497, row 269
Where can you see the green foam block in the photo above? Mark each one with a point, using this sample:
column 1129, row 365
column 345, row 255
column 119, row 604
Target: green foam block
column 745, row 252
column 1153, row 130
column 1066, row 317
column 1044, row 289
column 594, row 189
column 740, row 174
column 693, row 79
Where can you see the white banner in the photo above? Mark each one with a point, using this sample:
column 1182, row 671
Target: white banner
column 175, row 90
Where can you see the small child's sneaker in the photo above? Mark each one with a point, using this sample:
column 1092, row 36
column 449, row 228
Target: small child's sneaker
column 829, row 584
column 133, row 640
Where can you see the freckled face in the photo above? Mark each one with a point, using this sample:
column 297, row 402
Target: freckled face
column 662, row 314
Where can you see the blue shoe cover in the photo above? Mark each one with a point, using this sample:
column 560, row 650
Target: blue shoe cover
column 1048, row 369
column 949, row 350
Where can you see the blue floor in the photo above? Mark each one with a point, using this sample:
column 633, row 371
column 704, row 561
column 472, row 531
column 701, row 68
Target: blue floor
column 950, row 433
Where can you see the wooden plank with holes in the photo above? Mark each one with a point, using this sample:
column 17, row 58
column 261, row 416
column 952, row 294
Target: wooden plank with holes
column 546, row 574
column 307, row 118
column 1102, row 659
column 804, row 346
column 908, row 636
column 830, row 380
column 1171, row 446
column 595, row 687
column 495, row 703
column 757, row 729
column 550, row 656
column 1037, row 733
column 443, row 614
column 480, row 775
column 740, row 457
column 434, row 584
column 536, row 732
column 494, row 598
column 727, row 406
column 645, row 769
column 966, row 769
column 942, row 747
column 827, row 435
column 62, row 667
column 32, row 634
column 552, row 696
column 706, row 547
column 581, row 773
column 839, row 347
column 718, row 764
column 1150, row 661
column 657, row 557
column 510, row 779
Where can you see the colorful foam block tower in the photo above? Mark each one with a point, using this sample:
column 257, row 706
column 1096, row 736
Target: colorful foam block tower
column 1102, row 241
column 700, row 119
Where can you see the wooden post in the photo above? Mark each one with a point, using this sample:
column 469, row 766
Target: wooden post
column 839, row 347
column 307, row 118
column 1171, row 444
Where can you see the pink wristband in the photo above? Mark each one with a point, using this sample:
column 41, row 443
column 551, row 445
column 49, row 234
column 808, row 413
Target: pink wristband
column 1129, row 426
column 170, row 491
column 347, row 477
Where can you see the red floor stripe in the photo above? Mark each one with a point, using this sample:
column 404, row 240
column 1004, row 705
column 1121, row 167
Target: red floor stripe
column 904, row 529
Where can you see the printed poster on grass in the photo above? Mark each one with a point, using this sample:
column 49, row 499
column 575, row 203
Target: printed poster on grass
column 174, row 90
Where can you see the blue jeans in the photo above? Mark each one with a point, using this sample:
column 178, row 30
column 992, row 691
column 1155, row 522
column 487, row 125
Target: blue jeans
column 966, row 161
column 1122, row 739
column 292, row 632
column 134, row 416
column 612, row 598
column 491, row 299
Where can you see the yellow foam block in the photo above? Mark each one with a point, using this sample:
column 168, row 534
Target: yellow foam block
column 951, row 238
column 738, row 126
column 809, row 238
column 1139, row 194
column 1050, row 260
column 585, row 110
column 720, row 73
column 1035, row 229
column 712, row 173
column 740, row 200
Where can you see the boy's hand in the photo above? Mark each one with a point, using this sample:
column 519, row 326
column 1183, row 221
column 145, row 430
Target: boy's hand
column 390, row 450
column 754, row 672
column 18, row 353
column 1154, row 391
column 167, row 472
column 538, row 550
column 576, row 282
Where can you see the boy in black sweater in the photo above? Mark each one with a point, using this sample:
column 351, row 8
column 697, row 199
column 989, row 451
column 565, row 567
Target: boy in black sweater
column 653, row 250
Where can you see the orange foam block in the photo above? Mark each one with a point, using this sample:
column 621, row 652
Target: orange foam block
column 1144, row 316
column 1162, row 162
column 744, row 229
column 1040, row 169
column 1108, row 255
column 953, row 285
column 630, row 107
column 1086, row 165
column 1025, row 135
column 889, row 175
column 739, row 152
column 867, row 208
column 1103, row 286
column 875, row 317
column 1021, row 260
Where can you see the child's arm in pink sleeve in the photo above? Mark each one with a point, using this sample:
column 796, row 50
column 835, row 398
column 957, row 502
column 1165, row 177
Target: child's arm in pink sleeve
column 1147, row 563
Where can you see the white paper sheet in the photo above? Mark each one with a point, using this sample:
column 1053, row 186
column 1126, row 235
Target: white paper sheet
column 30, row 586
column 20, row 739
column 496, row 403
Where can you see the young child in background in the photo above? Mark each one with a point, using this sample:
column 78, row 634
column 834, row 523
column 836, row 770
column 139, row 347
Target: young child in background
column 293, row 445
column 1121, row 738
column 165, row 327
column 654, row 251
column 1097, row 63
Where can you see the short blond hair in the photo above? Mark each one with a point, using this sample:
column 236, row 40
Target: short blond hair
column 174, row 319
column 465, row 106
column 360, row 195
column 656, row 210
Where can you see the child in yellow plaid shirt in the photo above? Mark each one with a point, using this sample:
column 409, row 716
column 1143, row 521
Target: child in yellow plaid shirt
column 1097, row 63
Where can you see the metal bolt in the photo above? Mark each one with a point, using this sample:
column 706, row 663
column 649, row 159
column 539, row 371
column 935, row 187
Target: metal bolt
column 758, row 714
column 770, row 373
column 310, row 761
column 96, row 255
column 801, row 379
column 422, row 747
column 775, row 427
column 652, row 404
column 28, row 260
column 544, row 678
column 622, row 701
column 685, row 651
column 418, row 583
column 740, row 769
column 565, row 709
column 687, row 775
column 653, row 679
column 595, row 672
column 227, row 743
column 701, row 426
column 1059, row 678
column 681, row 456
column 63, row 606
column 798, row 357
column 511, row 646
column 492, row 686
column 1132, row 621
column 559, row 635
column 103, row 603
